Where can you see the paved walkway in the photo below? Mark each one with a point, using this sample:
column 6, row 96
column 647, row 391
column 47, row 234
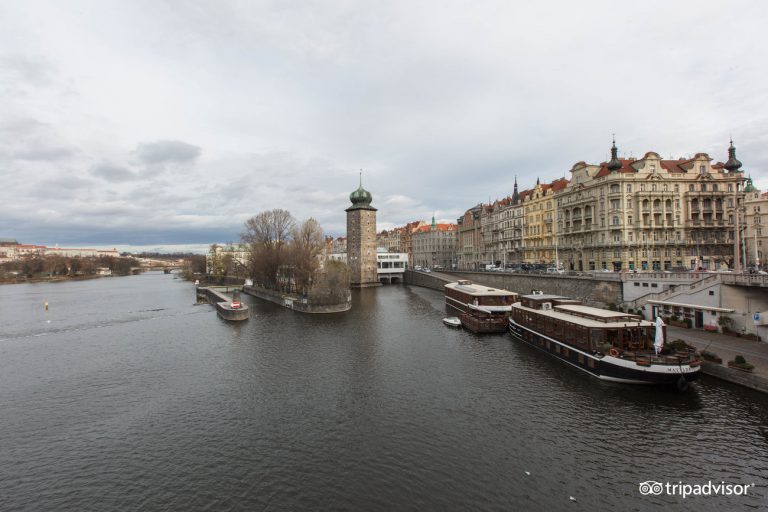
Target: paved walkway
column 726, row 347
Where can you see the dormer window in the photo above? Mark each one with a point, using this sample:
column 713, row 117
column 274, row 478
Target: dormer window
column 653, row 168
column 702, row 169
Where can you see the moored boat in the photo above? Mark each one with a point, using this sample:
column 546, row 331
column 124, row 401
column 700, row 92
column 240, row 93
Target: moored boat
column 452, row 321
column 480, row 308
column 610, row 345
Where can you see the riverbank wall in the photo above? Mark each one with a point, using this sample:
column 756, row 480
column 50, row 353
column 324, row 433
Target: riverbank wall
column 734, row 376
column 594, row 292
column 296, row 303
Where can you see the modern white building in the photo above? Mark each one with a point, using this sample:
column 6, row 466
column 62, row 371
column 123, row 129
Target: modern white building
column 390, row 266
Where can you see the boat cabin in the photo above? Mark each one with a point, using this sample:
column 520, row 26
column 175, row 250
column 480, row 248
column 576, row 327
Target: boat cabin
column 481, row 308
column 584, row 327
column 481, row 296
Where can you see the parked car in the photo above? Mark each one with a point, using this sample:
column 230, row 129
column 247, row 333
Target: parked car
column 555, row 270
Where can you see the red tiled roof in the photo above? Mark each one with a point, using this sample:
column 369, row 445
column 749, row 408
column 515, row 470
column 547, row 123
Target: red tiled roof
column 559, row 184
column 625, row 168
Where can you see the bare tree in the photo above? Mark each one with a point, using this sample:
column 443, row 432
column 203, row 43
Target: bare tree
column 270, row 228
column 305, row 250
column 267, row 235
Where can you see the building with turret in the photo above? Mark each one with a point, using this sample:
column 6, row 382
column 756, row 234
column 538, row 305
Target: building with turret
column 650, row 214
column 361, row 239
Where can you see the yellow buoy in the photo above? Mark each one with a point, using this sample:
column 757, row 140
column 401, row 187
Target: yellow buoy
column 46, row 305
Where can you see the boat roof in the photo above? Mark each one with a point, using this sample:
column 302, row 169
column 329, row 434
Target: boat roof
column 588, row 310
column 480, row 290
column 540, row 296
column 568, row 316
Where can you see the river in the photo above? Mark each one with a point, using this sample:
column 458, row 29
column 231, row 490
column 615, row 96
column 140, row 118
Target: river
column 124, row 395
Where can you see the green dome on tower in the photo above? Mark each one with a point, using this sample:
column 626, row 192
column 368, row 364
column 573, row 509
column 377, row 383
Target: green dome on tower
column 361, row 198
column 750, row 187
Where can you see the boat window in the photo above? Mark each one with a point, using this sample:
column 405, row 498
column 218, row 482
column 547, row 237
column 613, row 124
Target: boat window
column 597, row 338
column 612, row 337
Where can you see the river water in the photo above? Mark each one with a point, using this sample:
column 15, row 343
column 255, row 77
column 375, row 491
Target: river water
column 125, row 395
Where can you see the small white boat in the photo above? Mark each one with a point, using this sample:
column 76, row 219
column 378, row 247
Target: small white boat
column 452, row 321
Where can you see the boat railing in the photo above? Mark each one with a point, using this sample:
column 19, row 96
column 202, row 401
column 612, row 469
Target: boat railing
column 650, row 357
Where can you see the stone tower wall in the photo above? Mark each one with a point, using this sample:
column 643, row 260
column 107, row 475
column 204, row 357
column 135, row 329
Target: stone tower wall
column 361, row 247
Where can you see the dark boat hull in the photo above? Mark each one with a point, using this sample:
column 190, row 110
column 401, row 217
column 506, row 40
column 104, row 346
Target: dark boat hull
column 606, row 367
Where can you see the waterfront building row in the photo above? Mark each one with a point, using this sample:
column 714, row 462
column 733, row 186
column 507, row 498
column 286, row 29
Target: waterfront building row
column 624, row 214
column 12, row 250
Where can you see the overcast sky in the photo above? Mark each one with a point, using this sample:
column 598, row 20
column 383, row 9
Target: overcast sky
column 155, row 123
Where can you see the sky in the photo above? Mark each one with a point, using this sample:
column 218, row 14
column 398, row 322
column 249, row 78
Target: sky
column 155, row 123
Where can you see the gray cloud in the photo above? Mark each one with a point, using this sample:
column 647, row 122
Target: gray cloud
column 167, row 151
column 112, row 172
column 43, row 153
column 32, row 70
column 289, row 100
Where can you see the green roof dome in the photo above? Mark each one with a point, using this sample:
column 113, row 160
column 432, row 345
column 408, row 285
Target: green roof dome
column 750, row 187
column 361, row 198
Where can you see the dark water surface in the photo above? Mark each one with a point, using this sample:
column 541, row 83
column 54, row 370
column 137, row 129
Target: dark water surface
column 126, row 396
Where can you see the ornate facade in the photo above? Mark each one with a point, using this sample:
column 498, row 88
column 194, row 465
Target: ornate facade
column 650, row 213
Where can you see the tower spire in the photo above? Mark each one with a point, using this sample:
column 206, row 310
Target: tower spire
column 733, row 164
column 515, row 194
column 614, row 164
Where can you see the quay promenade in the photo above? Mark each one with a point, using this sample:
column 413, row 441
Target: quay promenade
column 727, row 347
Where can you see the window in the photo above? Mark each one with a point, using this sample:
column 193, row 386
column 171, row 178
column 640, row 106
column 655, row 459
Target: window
column 691, row 187
column 629, row 188
column 653, row 168
column 703, row 187
column 629, row 220
column 714, row 187
column 642, row 187
column 665, row 188
column 653, row 187
column 702, row 169
column 711, row 292
column 730, row 187
column 615, row 220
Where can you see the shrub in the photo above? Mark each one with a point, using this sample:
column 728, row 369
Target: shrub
column 739, row 360
column 725, row 321
column 688, row 323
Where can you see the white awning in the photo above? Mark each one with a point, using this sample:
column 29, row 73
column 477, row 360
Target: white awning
column 692, row 306
column 491, row 309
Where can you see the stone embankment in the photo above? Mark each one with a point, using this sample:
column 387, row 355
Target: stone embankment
column 296, row 303
column 596, row 291
column 727, row 348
